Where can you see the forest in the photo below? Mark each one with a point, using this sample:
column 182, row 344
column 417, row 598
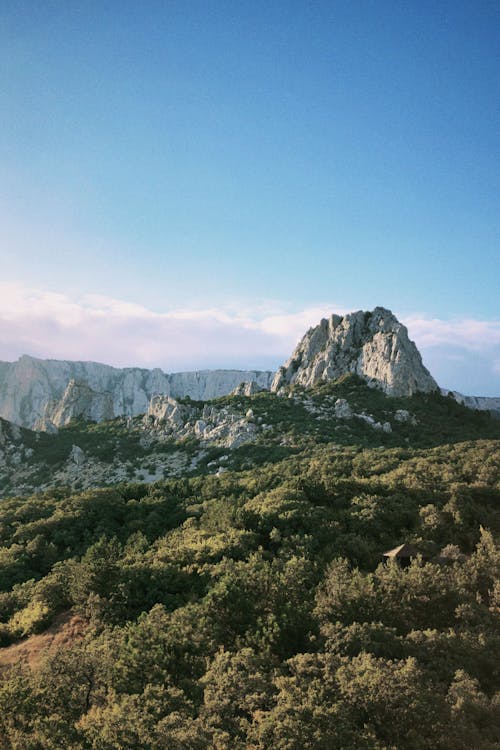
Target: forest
column 254, row 610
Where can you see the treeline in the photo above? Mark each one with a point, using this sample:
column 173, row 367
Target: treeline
column 252, row 610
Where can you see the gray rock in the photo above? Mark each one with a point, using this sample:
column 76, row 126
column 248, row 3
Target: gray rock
column 248, row 388
column 30, row 386
column 402, row 415
column 79, row 401
column 482, row 403
column 199, row 428
column 373, row 345
column 77, row 455
column 342, row 409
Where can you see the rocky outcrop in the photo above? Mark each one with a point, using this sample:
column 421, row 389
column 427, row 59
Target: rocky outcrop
column 79, row 401
column 373, row 345
column 30, row 386
column 210, row 424
column 248, row 388
column 14, row 447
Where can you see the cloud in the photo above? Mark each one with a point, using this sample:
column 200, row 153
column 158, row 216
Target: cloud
column 467, row 333
column 50, row 324
column 463, row 354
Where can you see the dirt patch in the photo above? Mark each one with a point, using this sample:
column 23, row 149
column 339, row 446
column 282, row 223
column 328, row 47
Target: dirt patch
column 66, row 630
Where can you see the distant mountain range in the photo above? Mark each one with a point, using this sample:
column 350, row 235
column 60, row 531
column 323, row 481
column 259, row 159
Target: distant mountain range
column 46, row 394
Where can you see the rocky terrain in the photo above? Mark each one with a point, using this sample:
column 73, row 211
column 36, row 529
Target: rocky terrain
column 48, row 394
column 38, row 392
column 356, row 379
column 184, row 437
column 373, row 345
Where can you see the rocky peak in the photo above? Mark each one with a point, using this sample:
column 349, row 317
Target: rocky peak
column 373, row 345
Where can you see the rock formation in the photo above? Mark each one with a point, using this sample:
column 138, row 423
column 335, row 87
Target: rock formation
column 209, row 424
column 30, row 387
column 373, row 345
column 79, row 401
column 248, row 388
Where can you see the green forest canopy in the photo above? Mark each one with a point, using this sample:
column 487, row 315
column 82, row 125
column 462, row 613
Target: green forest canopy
column 252, row 610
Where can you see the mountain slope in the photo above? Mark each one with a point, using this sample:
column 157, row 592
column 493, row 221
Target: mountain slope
column 195, row 437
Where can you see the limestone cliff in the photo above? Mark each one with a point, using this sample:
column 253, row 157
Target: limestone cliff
column 32, row 391
column 373, row 345
column 79, row 401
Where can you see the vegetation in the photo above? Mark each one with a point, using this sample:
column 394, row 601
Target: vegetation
column 251, row 610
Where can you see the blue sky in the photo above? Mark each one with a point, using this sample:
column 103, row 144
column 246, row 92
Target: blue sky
column 251, row 161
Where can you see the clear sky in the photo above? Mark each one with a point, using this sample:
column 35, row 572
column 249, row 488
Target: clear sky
column 249, row 166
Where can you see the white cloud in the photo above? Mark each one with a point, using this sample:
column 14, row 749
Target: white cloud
column 467, row 333
column 50, row 324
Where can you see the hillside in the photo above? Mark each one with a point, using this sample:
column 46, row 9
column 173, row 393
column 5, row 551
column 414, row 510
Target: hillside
column 184, row 438
column 250, row 610
column 311, row 567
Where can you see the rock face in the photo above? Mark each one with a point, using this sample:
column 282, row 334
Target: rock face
column 203, row 385
column 79, row 401
column 31, row 390
column 248, row 388
column 373, row 345
column 13, row 451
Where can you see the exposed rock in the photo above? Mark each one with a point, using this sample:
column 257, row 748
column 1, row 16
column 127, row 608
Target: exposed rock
column 210, row 424
column 380, row 426
column 166, row 410
column 403, row 415
column 248, row 388
column 342, row 409
column 483, row 403
column 373, row 345
column 77, row 455
column 79, row 401
column 203, row 385
column 30, row 386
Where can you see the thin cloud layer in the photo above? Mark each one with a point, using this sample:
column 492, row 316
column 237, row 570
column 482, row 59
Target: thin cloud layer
column 463, row 354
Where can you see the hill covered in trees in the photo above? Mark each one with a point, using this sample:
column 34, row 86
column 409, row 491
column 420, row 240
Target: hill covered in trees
column 252, row 609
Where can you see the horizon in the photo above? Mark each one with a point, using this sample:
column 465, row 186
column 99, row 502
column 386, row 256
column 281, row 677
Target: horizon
column 436, row 337
column 191, row 187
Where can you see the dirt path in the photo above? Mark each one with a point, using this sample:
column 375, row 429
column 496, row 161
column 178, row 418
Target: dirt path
column 66, row 629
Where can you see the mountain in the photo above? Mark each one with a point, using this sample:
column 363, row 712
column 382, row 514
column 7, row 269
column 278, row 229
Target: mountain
column 201, row 574
column 482, row 403
column 238, row 431
column 35, row 391
column 373, row 345
column 48, row 394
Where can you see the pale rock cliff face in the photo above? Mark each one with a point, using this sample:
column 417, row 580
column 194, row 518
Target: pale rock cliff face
column 32, row 389
column 373, row 345
column 204, row 385
column 79, row 401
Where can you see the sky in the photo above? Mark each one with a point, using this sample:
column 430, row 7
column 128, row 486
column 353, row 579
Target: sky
column 194, row 184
